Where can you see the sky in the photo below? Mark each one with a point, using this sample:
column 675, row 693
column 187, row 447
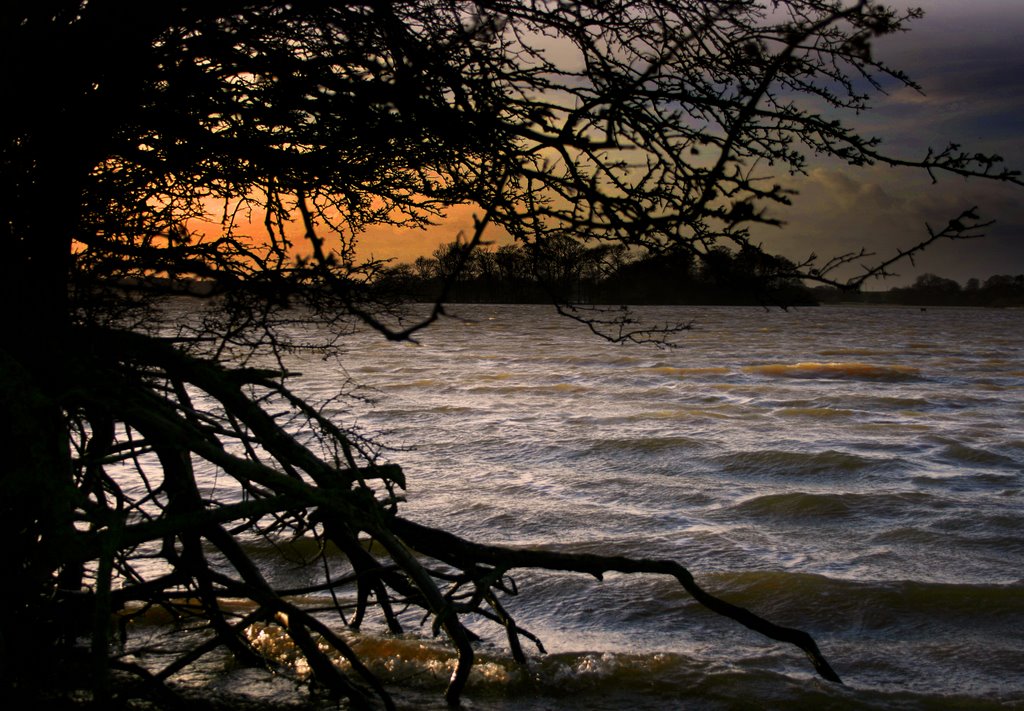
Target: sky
column 968, row 56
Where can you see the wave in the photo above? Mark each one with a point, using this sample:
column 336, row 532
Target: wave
column 775, row 461
column 852, row 352
column 958, row 452
column 683, row 372
column 528, row 389
column 500, row 375
column 700, row 669
column 648, row 444
column 892, row 607
column 1003, row 540
column 415, row 384
column 713, row 675
column 815, row 412
column 797, row 505
column 801, row 505
column 417, row 671
column 851, row 370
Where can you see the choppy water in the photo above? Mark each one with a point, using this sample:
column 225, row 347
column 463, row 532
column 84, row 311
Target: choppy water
column 857, row 472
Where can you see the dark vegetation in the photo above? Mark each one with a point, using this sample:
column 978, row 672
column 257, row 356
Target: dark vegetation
column 247, row 145
column 512, row 274
column 567, row 270
column 999, row 290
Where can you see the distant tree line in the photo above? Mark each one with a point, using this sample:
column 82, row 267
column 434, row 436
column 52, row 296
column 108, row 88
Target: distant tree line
column 567, row 270
column 615, row 275
column 928, row 289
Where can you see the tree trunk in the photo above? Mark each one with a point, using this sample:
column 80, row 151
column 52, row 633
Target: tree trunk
column 37, row 502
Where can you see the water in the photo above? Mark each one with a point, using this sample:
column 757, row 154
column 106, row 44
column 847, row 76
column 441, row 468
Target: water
column 853, row 471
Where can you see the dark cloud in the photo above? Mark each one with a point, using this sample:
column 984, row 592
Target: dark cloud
column 840, row 210
column 969, row 59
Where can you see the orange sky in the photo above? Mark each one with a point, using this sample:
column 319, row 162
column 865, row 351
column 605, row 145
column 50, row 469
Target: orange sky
column 405, row 245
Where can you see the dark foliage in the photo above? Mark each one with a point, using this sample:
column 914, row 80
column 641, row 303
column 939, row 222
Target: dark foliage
column 999, row 290
column 600, row 275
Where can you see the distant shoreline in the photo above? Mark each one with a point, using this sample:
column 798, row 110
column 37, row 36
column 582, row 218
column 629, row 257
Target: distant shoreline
column 999, row 291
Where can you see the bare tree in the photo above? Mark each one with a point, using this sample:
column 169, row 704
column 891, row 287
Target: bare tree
column 243, row 147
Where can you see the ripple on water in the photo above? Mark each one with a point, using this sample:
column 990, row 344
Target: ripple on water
column 891, row 608
column 795, row 506
column 851, row 370
column 962, row 453
column 795, row 463
column 646, row 444
column 815, row 413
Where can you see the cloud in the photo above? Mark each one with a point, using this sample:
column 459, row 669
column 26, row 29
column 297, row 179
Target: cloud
column 848, row 193
column 969, row 59
column 840, row 210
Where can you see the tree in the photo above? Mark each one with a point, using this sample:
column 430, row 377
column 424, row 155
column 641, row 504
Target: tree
column 558, row 262
column 246, row 146
column 1004, row 289
column 930, row 289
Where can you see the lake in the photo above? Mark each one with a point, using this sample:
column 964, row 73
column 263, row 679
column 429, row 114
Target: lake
column 857, row 472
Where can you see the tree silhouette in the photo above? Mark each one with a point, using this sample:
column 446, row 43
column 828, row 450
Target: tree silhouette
column 239, row 149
